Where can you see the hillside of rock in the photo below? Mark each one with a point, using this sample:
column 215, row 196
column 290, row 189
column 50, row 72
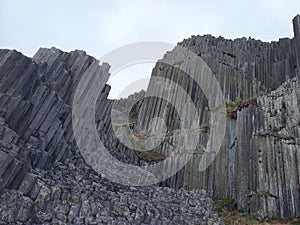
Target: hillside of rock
column 43, row 177
column 45, row 180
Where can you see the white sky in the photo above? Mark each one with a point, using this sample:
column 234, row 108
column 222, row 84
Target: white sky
column 98, row 27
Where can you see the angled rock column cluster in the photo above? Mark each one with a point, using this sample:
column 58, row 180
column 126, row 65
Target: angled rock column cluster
column 43, row 177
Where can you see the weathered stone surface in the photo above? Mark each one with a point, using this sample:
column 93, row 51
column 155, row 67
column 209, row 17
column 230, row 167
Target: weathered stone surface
column 44, row 179
column 296, row 22
column 67, row 195
column 260, row 153
column 258, row 164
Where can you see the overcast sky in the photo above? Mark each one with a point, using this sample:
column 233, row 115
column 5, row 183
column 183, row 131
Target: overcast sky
column 98, row 27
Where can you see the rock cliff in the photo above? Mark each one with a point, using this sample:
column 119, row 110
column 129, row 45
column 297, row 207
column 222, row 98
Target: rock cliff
column 258, row 164
column 44, row 179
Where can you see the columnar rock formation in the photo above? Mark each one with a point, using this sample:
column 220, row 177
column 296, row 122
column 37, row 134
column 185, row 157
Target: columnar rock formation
column 43, row 178
column 258, row 164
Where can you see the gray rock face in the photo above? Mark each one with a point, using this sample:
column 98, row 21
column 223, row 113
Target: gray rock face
column 273, row 152
column 296, row 22
column 44, row 179
column 258, row 164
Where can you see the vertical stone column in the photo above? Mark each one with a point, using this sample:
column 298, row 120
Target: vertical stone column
column 296, row 24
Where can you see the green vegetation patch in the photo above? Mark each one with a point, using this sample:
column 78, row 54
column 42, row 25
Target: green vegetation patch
column 203, row 129
column 233, row 107
column 150, row 156
column 230, row 215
